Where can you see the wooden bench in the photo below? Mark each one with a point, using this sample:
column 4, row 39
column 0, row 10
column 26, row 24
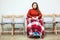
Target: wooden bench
column 19, row 19
column 49, row 19
column 57, row 20
column 6, row 17
column 4, row 20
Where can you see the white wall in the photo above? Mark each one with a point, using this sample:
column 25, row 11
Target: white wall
column 22, row 6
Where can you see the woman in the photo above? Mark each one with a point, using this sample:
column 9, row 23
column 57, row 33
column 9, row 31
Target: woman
column 34, row 13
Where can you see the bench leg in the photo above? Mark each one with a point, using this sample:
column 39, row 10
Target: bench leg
column 54, row 28
column 24, row 28
column 12, row 29
column 2, row 28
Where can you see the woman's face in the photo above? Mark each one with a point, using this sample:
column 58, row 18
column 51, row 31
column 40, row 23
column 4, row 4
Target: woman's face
column 34, row 6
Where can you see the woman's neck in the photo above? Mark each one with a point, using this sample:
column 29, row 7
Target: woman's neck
column 34, row 8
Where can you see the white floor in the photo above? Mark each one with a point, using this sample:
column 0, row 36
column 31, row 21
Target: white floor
column 24, row 37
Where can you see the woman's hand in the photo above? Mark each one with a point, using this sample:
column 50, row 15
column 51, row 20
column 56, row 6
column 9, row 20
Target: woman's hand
column 29, row 20
column 33, row 18
column 37, row 17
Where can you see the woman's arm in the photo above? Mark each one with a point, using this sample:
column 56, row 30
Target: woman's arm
column 29, row 14
column 40, row 15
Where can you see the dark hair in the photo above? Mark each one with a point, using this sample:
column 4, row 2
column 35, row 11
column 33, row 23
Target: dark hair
column 37, row 8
